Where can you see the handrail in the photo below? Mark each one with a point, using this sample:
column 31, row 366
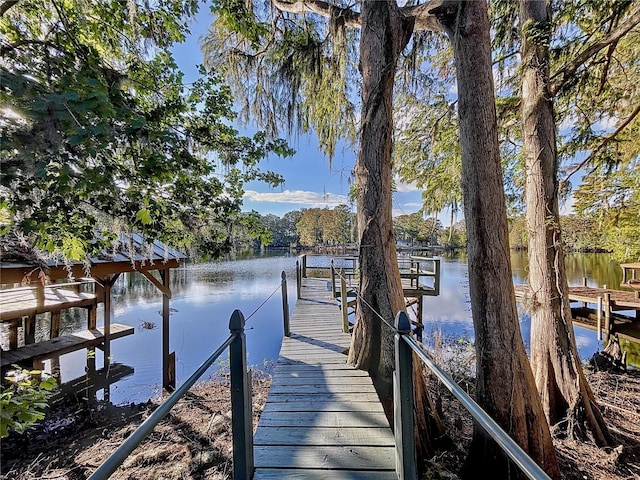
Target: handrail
column 404, row 345
column 241, row 408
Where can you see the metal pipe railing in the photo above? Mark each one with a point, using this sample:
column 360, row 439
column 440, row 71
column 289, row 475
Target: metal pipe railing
column 236, row 326
column 404, row 345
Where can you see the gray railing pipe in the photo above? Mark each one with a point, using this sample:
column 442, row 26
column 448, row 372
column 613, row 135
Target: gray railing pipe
column 530, row 468
column 116, row 459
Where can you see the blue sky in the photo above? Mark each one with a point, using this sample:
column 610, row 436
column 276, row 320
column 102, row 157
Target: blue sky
column 310, row 181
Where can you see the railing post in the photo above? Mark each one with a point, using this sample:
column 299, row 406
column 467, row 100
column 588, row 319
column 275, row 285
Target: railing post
column 285, row 305
column 436, row 268
column 403, row 402
column 344, row 301
column 298, row 280
column 304, row 265
column 241, row 416
column 332, row 270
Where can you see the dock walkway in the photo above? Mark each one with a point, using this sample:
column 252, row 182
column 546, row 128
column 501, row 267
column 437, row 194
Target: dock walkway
column 322, row 418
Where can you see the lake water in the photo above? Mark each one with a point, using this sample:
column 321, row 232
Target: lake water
column 205, row 295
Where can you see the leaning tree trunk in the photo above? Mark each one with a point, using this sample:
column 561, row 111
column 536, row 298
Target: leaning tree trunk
column 566, row 395
column 505, row 384
column 384, row 33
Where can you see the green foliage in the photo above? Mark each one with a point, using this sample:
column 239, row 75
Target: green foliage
column 414, row 228
column 290, row 73
column 322, row 226
column 23, row 401
column 581, row 234
column 99, row 133
column 611, row 200
column 518, row 233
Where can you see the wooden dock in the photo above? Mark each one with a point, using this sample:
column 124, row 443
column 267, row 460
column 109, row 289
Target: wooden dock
column 30, row 301
column 618, row 299
column 57, row 346
column 322, row 417
column 609, row 301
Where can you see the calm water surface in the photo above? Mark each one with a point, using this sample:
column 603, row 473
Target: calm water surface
column 205, row 295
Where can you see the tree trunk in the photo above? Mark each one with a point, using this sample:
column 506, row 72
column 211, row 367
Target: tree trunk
column 566, row 395
column 505, row 384
column 384, row 34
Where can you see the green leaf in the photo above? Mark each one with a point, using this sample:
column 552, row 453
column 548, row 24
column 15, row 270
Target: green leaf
column 144, row 216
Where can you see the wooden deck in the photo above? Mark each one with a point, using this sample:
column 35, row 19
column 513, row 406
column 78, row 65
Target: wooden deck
column 322, row 419
column 620, row 300
column 30, row 301
column 61, row 345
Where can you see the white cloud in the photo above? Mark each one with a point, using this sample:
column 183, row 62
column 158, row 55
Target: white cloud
column 567, row 124
column 566, row 206
column 314, row 199
column 405, row 187
column 606, row 123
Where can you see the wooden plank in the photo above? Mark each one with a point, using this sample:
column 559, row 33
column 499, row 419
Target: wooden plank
column 303, row 374
column 16, row 303
column 320, row 388
column 324, row 419
column 318, row 474
column 64, row 344
column 296, row 383
column 336, row 436
column 331, row 405
column 318, row 397
column 351, row 457
column 285, row 368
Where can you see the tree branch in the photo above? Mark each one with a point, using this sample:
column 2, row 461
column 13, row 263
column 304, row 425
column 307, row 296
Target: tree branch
column 560, row 78
column 351, row 17
column 427, row 15
column 605, row 141
column 423, row 14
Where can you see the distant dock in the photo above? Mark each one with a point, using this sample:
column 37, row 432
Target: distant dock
column 600, row 309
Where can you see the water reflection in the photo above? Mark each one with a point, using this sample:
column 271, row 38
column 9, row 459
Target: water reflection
column 203, row 298
column 451, row 311
column 205, row 295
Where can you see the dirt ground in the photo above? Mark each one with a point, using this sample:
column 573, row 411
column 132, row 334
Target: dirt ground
column 194, row 440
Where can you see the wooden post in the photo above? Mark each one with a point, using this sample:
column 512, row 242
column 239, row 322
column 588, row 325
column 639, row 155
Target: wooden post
column 599, row 318
column 403, row 402
column 285, row 305
column 436, row 283
column 304, row 265
column 344, row 302
column 607, row 315
column 420, row 326
column 167, row 382
column 30, row 329
column 241, row 416
column 54, row 329
column 584, row 284
column 13, row 334
column 91, row 317
column 108, row 282
column 332, row 269
column 298, row 280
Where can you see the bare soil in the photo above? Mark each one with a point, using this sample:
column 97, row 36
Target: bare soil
column 194, row 440
column 618, row 395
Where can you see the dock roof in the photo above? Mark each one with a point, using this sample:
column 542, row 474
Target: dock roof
column 131, row 253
